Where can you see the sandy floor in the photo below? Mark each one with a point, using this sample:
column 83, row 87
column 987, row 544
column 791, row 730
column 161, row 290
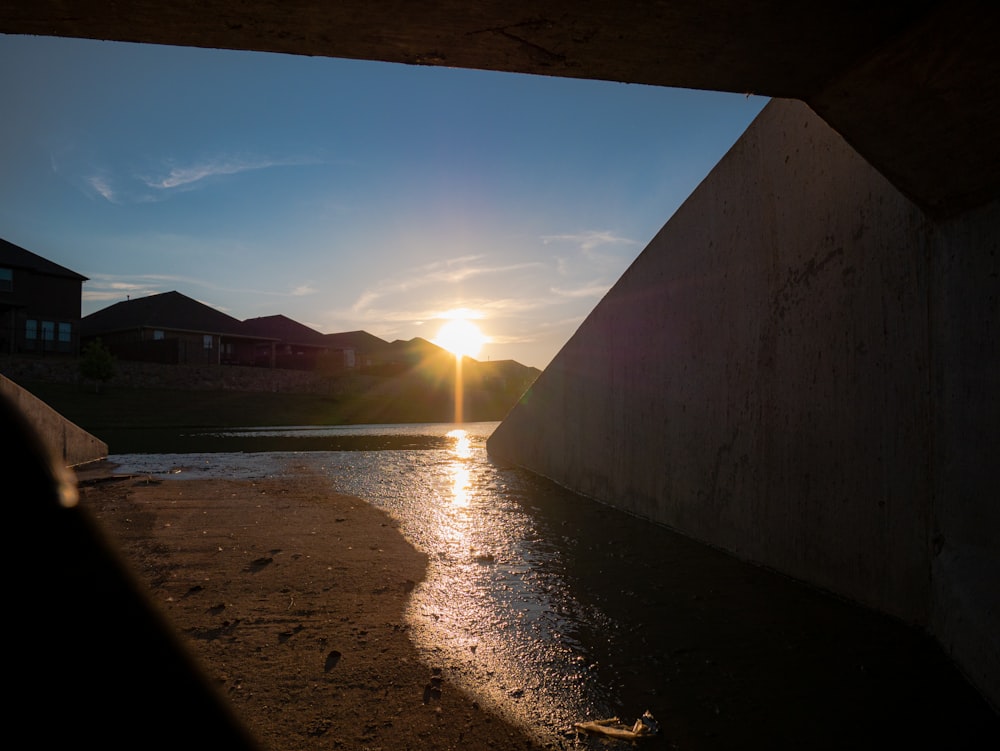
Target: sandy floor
column 301, row 632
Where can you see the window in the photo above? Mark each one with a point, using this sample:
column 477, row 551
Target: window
column 157, row 335
column 31, row 330
column 206, row 341
column 64, row 337
column 48, row 331
column 6, row 280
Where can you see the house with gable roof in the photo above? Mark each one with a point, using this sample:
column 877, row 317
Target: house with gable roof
column 284, row 343
column 360, row 349
column 171, row 328
column 39, row 304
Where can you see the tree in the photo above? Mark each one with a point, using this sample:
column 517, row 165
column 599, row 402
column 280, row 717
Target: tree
column 97, row 363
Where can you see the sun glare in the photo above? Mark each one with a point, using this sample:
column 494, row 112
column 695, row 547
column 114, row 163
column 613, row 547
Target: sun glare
column 461, row 337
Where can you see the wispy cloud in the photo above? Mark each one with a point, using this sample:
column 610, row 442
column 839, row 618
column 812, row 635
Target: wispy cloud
column 594, row 290
column 187, row 175
column 123, row 186
column 595, row 255
column 589, row 240
column 446, row 272
column 600, row 251
column 99, row 184
column 515, row 305
column 109, row 289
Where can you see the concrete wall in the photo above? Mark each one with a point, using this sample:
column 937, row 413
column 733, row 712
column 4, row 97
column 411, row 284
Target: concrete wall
column 965, row 343
column 781, row 373
column 67, row 441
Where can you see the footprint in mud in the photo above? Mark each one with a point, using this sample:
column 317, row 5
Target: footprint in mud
column 433, row 688
column 259, row 563
column 286, row 635
column 331, row 661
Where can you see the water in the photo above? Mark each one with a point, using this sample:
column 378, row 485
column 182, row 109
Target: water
column 554, row 609
column 495, row 609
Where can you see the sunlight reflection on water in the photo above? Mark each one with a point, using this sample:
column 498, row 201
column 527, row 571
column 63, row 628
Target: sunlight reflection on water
column 552, row 608
column 494, row 611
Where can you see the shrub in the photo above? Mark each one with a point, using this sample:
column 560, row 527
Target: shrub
column 97, row 363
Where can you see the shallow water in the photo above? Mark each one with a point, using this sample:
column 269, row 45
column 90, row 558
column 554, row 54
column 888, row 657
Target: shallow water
column 554, row 609
column 494, row 610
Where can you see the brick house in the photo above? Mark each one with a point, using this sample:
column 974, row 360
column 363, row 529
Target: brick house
column 173, row 329
column 360, row 349
column 288, row 344
column 39, row 304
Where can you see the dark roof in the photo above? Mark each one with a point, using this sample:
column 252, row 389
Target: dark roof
column 360, row 341
column 16, row 257
column 283, row 329
column 169, row 310
column 416, row 349
column 509, row 367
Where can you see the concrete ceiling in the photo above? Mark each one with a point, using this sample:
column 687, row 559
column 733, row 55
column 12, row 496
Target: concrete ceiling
column 913, row 87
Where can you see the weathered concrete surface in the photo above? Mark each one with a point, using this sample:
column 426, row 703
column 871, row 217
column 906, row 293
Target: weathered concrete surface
column 793, row 371
column 67, row 441
column 965, row 343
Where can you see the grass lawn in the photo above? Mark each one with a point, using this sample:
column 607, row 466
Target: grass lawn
column 116, row 411
column 116, row 407
column 161, row 420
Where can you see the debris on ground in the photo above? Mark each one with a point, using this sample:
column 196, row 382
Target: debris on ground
column 644, row 727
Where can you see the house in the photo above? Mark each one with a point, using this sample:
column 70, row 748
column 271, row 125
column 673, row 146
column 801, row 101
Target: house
column 171, row 328
column 361, row 349
column 284, row 343
column 408, row 353
column 39, row 304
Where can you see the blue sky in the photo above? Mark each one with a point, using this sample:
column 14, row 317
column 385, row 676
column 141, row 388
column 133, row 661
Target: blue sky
column 345, row 194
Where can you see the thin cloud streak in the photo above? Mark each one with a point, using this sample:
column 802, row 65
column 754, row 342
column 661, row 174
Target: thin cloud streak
column 589, row 240
column 178, row 177
column 588, row 251
column 103, row 288
column 594, row 290
column 432, row 274
column 119, row 187
column 100, row 186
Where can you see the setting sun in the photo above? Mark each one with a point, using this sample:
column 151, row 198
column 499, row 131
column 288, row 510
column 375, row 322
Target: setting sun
column 461, row 337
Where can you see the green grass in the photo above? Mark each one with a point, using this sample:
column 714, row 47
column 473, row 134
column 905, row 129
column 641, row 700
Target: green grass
column 157, row 408
column 155, row 420
column 389, row 401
